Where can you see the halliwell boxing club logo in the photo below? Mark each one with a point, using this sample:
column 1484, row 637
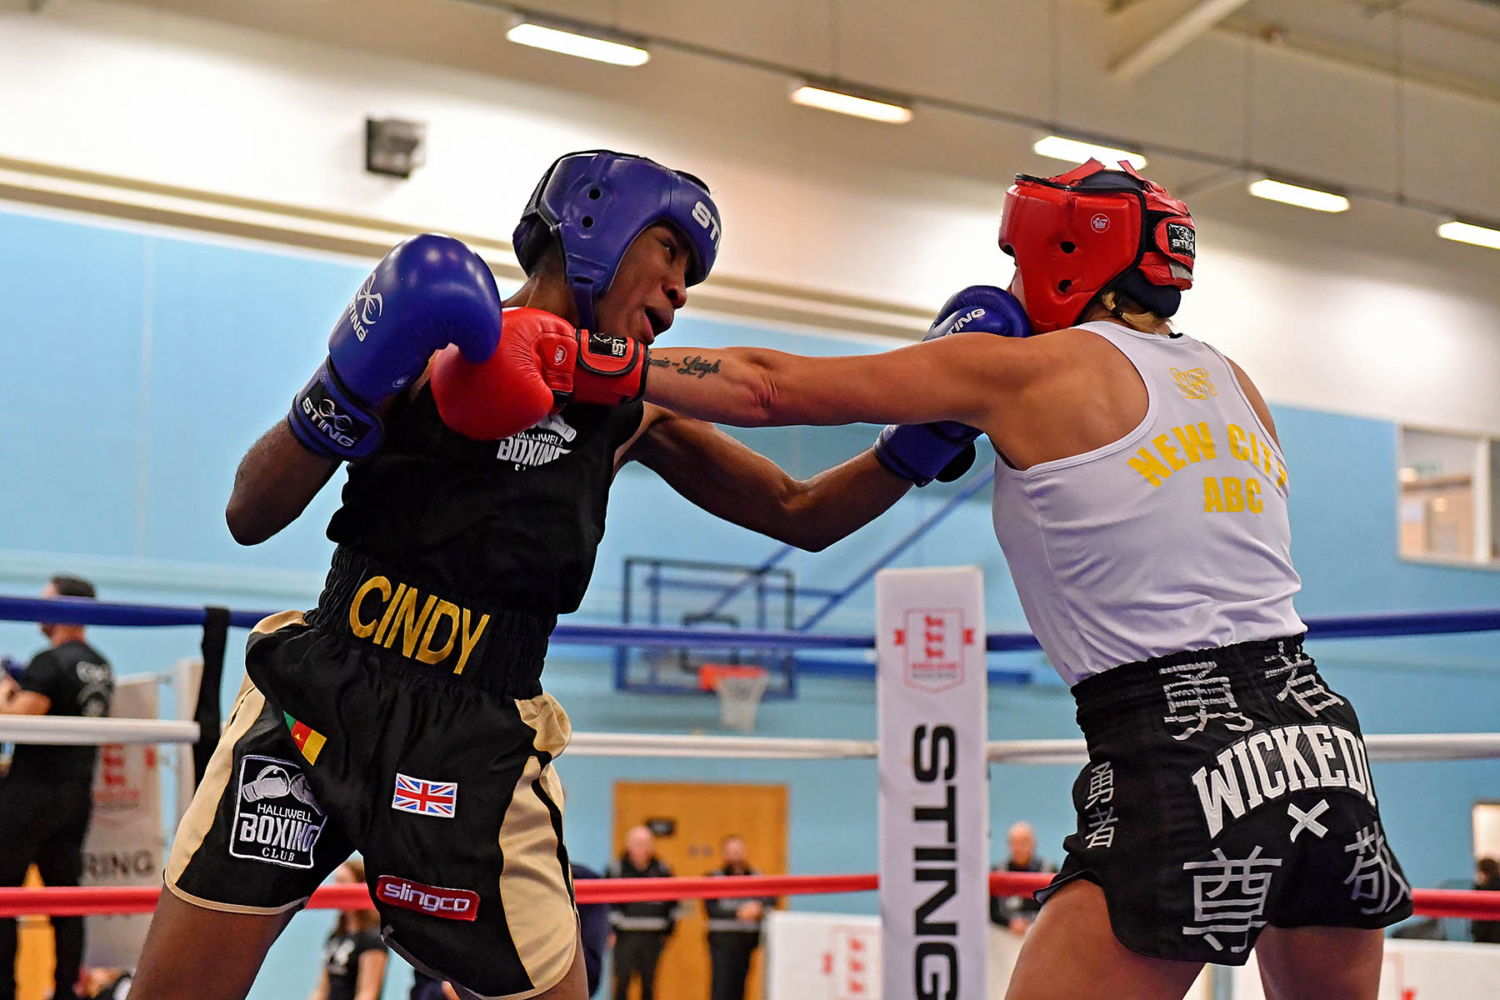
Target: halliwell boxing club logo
column 537, row 445
column 934, row 641
column 276, row 817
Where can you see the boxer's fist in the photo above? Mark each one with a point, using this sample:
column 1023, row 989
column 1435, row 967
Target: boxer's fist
column 944, row 450
column 542, row 363
column 429, row 292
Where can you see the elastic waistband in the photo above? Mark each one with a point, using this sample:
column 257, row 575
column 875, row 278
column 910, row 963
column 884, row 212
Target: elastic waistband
column 417, row 626
column 1106, row 698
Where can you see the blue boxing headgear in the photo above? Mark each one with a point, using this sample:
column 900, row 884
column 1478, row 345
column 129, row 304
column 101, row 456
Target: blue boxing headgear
column 596, row 203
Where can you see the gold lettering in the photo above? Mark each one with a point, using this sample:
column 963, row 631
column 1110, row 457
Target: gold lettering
column 469, row 640
column 405, row 612
column 1196, row 441
column 1168, row 452
column 1213, row 500
column 1252, row 496
column 1237, row 443
column 445, row 609
column 1150, row 466
column 390, row 609
column 1234, row 494
column 412, row 630
column 1280, row 476
column 359, row 628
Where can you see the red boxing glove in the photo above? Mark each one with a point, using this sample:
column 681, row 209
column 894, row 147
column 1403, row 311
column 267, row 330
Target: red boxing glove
column 610, row 370
column 541, row 364
column 516, row 386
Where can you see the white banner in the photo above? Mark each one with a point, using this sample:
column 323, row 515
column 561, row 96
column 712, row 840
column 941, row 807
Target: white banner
column 124, row 844
column 934, row 784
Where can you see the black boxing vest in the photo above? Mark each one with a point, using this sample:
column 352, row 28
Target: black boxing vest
column 512, row 524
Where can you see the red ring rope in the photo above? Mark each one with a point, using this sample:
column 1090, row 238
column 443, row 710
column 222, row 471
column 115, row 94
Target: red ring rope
column 64, row 902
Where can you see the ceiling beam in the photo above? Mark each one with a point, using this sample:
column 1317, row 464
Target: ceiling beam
column 1171, row 39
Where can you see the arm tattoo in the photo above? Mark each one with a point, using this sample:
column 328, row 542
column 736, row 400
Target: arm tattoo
column 697, row 367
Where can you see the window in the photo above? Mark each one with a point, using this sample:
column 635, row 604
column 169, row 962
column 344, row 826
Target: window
column 1450, row 499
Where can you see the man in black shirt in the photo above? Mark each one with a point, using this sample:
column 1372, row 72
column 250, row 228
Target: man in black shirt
column 733, row 927
column 405, row 715
column 1018, row 913
column 47, row 796
column 641, row 929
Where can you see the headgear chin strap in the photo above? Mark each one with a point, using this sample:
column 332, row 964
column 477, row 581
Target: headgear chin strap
column 1079, row 234
column 596, row 203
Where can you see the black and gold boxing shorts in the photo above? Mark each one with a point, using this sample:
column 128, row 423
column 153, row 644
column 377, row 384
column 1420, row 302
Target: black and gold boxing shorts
column 442, row 780
column 1227, row 790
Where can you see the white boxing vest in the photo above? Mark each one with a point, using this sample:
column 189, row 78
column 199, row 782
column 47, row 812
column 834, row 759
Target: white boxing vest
column 1173, row 538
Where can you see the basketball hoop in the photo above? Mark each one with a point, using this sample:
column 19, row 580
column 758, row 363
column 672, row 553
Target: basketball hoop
column 739, row 688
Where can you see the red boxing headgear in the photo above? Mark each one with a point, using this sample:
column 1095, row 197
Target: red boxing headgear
column 1075, row 235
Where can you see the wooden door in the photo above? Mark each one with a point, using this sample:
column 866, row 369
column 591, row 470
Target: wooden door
column 34, row 953
column 690, row 822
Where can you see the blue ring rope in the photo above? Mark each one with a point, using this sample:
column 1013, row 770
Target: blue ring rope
column 85, row 612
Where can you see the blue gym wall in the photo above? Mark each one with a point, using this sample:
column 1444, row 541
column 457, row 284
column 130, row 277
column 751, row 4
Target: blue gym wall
column 143, row 365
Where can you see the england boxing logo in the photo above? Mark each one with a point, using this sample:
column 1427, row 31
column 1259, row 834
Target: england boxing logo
column 276, row 819
column 537, row 445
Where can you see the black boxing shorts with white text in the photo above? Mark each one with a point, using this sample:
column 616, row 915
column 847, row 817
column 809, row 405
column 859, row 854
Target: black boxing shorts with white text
column 442, row 780
column 1226, row 790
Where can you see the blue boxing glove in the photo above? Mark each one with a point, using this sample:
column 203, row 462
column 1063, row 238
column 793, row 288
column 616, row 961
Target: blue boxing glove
column 945, row 450
column 429, row 291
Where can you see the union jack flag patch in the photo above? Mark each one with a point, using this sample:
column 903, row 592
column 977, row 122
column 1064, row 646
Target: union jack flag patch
column 425, row 798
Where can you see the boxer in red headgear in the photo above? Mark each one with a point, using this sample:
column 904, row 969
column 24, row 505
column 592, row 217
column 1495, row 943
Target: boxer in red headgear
column 1141, row 500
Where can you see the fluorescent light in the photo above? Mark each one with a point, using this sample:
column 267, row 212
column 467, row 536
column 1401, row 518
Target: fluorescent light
column 571, row 43
column 1058, row 148
column 1464, row 232
column 1302, row 197
column 847, row 104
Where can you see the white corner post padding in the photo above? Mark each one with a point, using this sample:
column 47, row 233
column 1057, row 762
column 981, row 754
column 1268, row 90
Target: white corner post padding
column 934, row 787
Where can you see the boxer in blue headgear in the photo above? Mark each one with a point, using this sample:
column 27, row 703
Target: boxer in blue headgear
column 433, row 755
column 593, row 205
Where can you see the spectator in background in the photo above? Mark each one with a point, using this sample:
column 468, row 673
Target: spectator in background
column 1016, row 913
column 641, row 929
column 46, row 798
column 1486, row 876
column 354, row 957
column 733, row 927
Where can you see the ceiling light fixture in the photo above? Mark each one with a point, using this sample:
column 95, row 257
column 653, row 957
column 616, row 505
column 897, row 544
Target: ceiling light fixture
column 1302, row 197
column 573, row 43
column 1467, row 232
column 848, row 104
column 1057, row 147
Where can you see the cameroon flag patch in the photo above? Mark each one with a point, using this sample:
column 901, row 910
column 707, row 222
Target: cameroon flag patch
column 308, row 740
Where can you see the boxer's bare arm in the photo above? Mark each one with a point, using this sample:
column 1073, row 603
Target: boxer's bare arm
column 731, row 481
column 275, row 482
column 955, row 378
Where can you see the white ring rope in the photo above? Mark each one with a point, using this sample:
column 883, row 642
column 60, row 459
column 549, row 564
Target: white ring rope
column 64, row 731
column 55, row 730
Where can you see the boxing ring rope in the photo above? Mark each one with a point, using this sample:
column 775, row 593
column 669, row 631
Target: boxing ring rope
column 85, row 612
column 1388, row 747
column 90, row 900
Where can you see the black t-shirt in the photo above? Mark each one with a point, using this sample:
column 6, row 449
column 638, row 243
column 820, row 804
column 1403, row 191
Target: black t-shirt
column 513, row 523
column 341, row 960
column 79, row 682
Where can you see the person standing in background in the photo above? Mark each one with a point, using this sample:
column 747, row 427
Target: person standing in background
column 354, row 957
column 46, row 799
column 641, row 929
column 733, row 926
column 1016, row 913
column 1486, row 876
